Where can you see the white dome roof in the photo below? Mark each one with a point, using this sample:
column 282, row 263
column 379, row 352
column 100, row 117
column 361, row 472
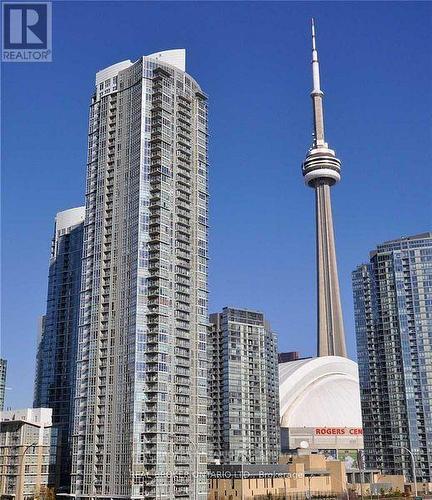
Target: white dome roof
column 320, row 392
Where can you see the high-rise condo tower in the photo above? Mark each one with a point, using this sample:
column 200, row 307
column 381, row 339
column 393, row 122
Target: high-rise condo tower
column 58, row 338
column 321, row 170
column 140, row 427
column 243, row 388
column 393, row 319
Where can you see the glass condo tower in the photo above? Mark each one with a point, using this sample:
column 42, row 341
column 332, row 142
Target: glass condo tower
column 58, row 335
column 140, row 423
column 244, row 388
column 393, row 316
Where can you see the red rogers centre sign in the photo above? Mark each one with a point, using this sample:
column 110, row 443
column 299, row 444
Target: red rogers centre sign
column 338, row 431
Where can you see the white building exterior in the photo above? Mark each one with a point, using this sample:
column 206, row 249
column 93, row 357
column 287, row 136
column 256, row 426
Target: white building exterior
column 140, row 427
column 27, row 452
column 320, row 404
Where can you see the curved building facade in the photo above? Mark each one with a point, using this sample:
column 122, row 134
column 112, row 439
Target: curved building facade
column 320, row 404
column 58, row 337
column 140, row 426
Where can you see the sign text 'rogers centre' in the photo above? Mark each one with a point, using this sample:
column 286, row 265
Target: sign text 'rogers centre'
column 338, row 431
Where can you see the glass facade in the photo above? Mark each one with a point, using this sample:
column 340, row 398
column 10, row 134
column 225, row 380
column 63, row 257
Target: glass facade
column 57, row 345
column 141, row 403
column 393, row 316
column 243, row 389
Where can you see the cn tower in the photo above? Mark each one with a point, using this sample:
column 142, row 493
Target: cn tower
column 321, row 170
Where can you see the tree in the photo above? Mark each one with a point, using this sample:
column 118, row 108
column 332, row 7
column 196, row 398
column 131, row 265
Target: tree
column 44, row 492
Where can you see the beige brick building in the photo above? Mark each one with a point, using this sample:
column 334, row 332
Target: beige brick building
column 308, row 474
column 27, row 452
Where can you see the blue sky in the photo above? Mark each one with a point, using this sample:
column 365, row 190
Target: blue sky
column 253, row 59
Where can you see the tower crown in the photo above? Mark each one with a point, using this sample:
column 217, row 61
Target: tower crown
column 320, row 164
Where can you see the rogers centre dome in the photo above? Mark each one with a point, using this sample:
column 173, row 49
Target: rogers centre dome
column 319, row 392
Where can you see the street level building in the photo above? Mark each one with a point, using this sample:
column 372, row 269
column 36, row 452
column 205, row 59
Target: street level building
column 3, row 370
column 305, row 476
column 58, row 336
column 243, row 388
column 28, row 445
column 393, row 317
column 140, row 423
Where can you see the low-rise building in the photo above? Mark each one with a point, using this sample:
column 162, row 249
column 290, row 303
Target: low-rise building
column 286, row 357
column 27, row 452
column 306, row 475
column 336, row 443
column 373, row 482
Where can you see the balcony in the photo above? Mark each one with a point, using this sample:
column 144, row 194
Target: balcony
column 184, row 118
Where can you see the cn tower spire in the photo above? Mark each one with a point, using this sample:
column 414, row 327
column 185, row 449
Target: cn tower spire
column 317, row 94
column 321, row 170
